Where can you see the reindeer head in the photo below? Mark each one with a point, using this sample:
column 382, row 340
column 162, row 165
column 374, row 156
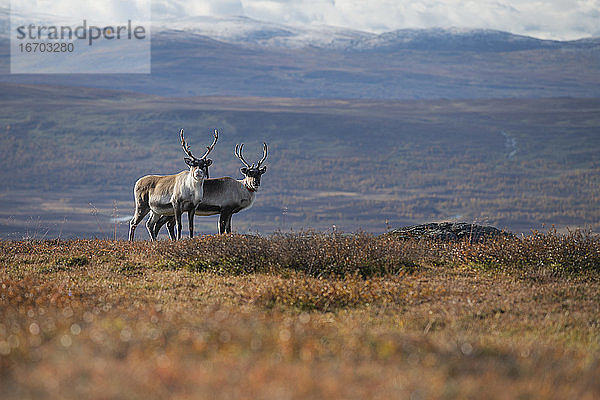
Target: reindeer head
column 251, row 172
column 198, row 166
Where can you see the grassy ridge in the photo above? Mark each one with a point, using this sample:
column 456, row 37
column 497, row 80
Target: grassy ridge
column 301, row 316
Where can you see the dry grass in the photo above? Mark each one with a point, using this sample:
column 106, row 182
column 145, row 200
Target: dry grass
column 301, row 316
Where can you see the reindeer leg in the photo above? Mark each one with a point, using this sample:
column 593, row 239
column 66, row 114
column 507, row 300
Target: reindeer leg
column 228, row 224
column 177, row 209
column 222, row 221
column 159, row 224
column 140, row 213
column 191, row 221
column 225, row 221
column 151, row 225
column 171, row 227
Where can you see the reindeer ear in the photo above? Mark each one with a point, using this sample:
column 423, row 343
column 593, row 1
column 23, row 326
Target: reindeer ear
column 262, row 170
column 244, row 170
column 207, row 162
column 188, row 161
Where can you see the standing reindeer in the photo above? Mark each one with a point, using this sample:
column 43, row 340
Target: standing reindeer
column 225, row 196
column 171, row 195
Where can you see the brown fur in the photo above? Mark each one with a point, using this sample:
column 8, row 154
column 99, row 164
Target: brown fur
column 171, row 187
column 224, row 196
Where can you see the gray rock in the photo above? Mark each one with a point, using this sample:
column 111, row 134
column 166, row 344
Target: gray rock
column 449, row 231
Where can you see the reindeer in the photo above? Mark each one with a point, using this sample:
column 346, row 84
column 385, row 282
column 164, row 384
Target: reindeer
column 225, row 196
column 172, row 194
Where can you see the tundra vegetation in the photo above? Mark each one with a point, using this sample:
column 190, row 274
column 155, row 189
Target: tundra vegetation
column 302, row 315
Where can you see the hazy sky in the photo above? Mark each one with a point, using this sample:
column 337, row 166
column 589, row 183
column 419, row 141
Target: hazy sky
column 554, row 19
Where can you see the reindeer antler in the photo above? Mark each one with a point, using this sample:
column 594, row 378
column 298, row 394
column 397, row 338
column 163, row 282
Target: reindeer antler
column 264, row 155
column 238, row 153
column 185, row 146
column 209, row 148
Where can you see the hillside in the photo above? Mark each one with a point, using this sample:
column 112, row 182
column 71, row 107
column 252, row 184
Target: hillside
column 244, row 57
column 71, row 156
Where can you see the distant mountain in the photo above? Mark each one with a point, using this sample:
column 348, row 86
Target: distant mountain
column 244, row 57
column 482, row 40
column 250, row 32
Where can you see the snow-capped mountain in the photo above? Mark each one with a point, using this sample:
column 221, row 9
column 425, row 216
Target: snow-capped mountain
column 451, row 39
column 200, row 56
column 250, row 32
